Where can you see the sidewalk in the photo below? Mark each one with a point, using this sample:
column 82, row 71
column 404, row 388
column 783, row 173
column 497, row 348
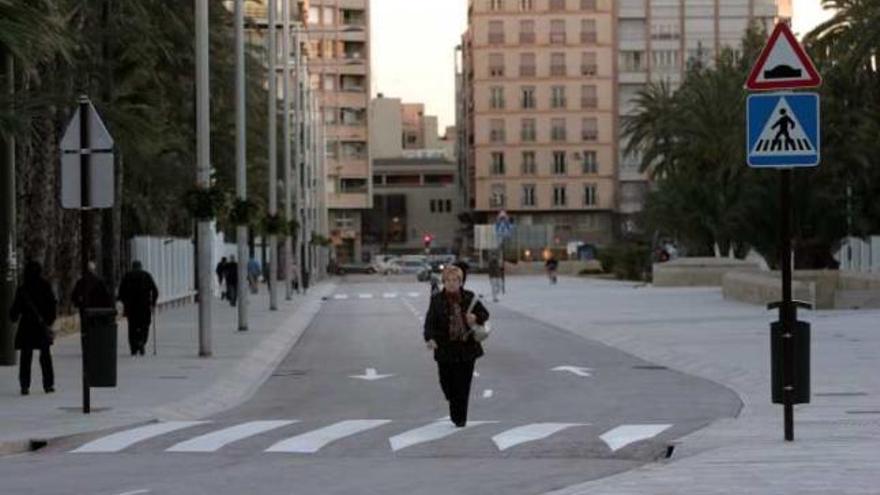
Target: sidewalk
column 174, row 384
column 693, row 330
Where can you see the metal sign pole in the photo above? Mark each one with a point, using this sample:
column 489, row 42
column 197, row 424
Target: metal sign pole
column 787, row 311
column 85, row 241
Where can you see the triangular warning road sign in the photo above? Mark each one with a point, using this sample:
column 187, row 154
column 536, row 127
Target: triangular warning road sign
column 783, row 135
column 783, row 64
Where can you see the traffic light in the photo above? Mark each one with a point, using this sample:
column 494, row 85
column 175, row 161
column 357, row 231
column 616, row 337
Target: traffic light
column 427, row 239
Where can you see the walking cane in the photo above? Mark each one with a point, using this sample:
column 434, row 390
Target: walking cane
column 155, row 332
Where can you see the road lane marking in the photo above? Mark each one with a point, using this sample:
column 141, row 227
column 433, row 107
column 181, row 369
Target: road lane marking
column 487, row 394
column 622, row 436
column 413, row 294
column 124, row 439
column 370, row 374
column 529, row 433
column 340, row 296
column 428, row 433
column 214, row 441
column 577, row 370
column 389, row 295
column 313, row 441
column 365, row 296
column 137, row 492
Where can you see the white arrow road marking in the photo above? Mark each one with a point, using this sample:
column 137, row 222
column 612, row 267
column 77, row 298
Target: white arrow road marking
column 214, row 441
column 371, row 375
column 313, row 441
column 529, row 433
column 428, row 433
column 340, row 296
column 389, row 295
column 365, row 296
column 577, row 370
column 127, row 438
column 412, row 294
column 624, row 435
column 487, row 394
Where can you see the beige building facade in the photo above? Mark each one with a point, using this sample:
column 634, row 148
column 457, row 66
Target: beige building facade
column 539, row 114
column 657, row 41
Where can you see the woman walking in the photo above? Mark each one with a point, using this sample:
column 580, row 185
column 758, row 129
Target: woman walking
column 34, row 305
column 448, row 333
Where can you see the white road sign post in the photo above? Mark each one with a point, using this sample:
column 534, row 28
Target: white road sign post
column 86, row 184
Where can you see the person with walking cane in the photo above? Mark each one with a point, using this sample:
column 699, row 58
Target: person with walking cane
column 448, row 333
column 138, row 293
column 34, row 307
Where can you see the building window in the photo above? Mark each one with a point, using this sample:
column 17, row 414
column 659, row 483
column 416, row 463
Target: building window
column 344, row 220
column 527, row 65
column 528, row 130
column 433, row 206
column 496, row 131
column 557, row 64
column 588, row 31
column 590, row 162
column 329, row 17
column 528, row 195
column 588, row 5
column 590, row 129
column 665, row 59
column 557, row 130
column 496, row 32
column 559, row 165
column 526, row 32
column 448, row 206
column 589, row 99
column 557, row 97
column 632, row 60
column 496, row 4
column 329, row 115
column 528, row 163
column 528, row 97
column 557, row 5
column 557, row 32
column 526, row 4
column 590, row 195
column 496, row 97
column 497, row 163
column 496, row 65
column 496, row 196
column 559, row 195
column 589, row 66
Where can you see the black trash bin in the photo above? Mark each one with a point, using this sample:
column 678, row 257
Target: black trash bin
column 101, row 346
column 799, row 354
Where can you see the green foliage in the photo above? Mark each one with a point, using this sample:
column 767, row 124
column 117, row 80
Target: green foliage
column 320, row 240
column 205, row 203
column 627, row 261
column 274, row 225
column 243, row 212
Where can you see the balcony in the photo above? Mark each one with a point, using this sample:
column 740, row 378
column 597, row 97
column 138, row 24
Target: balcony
column 496, row 38
column 354, row 18
column 591, row 135
column 589, row 37
column 527, row 71
column 557, row 38
column 496, row 136
column 557, row 70
column 589, row 69
column 589, row 102
column 351, row 201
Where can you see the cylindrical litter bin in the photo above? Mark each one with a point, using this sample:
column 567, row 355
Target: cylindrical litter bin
column 100, row 325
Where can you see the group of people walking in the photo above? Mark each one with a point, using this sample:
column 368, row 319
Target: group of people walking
column 34, row 308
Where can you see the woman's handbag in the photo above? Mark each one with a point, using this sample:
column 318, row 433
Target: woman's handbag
column 480, row 332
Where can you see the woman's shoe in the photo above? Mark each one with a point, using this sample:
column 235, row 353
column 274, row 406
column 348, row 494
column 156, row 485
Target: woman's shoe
column 50, row 390
column 25, row 391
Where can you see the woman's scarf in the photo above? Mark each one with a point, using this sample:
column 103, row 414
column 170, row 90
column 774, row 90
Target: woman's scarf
column 457, row 330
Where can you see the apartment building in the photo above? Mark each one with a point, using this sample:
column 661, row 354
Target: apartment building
column 657, row 39
column 338, row 33
column 538, row 115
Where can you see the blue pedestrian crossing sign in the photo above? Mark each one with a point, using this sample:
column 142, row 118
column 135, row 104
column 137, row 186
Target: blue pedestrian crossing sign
column 783, row 130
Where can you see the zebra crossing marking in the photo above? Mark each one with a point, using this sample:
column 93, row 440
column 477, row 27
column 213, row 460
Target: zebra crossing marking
column 214, row 441
column 313, row 441
column 429, row 433
column 624, row 435
column 124, row 439
column 340, row 296
column 365, row 296
column 389, row 295
column 529, row 433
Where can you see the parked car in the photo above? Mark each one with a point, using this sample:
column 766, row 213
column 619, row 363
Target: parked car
column 413, row 266
column 347, row 268
column 386, row 264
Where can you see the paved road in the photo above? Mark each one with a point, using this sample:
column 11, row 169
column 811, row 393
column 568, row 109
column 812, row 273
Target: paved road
column 548, row 410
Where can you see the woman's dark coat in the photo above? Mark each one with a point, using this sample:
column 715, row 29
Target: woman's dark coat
column 31, row 299
column 437, row 328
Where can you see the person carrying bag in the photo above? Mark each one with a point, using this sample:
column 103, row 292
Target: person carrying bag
column 34, row 309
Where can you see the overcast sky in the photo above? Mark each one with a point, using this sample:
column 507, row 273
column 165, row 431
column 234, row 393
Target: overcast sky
column 414, row 42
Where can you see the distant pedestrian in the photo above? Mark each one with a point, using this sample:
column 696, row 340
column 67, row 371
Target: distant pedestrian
column 220, row 270
column 496, row 275
column 448, row 333
column 138, row 293
column 304, row 282
column 551, row 265
column 34, row 308
column 231, row 277
column 91, row 291
column 253, row 273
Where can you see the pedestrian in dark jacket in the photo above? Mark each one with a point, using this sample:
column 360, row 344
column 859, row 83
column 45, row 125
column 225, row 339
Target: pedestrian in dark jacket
column 448, row 333
column 34, row 308
column 231, row 276
column 220, row 270
column 91, row 291
column 138, row 293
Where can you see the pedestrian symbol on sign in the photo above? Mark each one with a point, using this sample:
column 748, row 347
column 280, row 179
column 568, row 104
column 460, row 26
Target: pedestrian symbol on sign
column 783, row 130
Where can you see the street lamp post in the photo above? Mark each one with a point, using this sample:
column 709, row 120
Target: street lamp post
column 203, row 161
column 288, row 207
column 241, row 163
column 272, row 40
column 7, row 218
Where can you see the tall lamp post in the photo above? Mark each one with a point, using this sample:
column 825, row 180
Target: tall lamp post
column 241, row 163
column 7, row 218
column 272, row 40
column 203, row 161
column 288, row 206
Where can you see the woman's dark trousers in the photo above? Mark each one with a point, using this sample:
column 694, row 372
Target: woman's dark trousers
column 24, row 371
column 455, row 380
